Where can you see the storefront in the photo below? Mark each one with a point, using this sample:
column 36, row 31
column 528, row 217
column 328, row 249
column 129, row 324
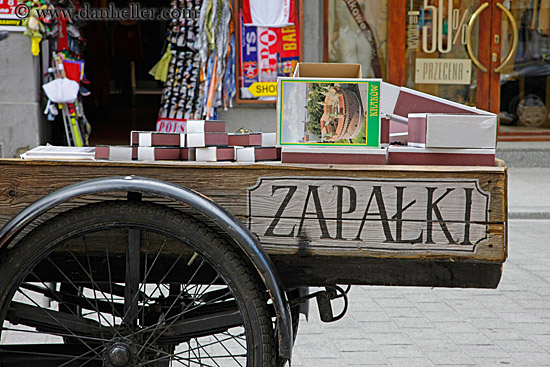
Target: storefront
column 488, row 54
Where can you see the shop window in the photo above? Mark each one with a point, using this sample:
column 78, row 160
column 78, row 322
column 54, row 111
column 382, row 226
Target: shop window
column 356, row 31
column 270, row 49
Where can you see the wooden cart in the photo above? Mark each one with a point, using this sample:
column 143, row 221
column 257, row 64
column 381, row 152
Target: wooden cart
column 127, row 264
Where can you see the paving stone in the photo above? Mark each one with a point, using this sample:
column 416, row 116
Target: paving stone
column 519, row 346
column 371, row 316
column 356, row 345
column 425, row 333
column 437, row 345
column 391, row 339
column 364, row 358
column 514, row 317
column 491, row 362
column 454, row 327
column 409, row 351
column 532, row 359
column 477, row 338
column 480, row 351
column 450, row 358
column 410, row 362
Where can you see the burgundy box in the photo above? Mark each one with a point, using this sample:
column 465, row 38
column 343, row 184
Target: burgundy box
column 116, row 153
column 399, row 155
column 245, row 140
column 184, row 154
column 336, row 155
column 398, row 132
column 267, row 154
column 214, row 154
column 158, row 154
column 384, row 130
column 201, row 126
column 207, row 140
column 167, row 154
column 102, row 152
column 412, row 101
column 158, row 139
column 225, row 154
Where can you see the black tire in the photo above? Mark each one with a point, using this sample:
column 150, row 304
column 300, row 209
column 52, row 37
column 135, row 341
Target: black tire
column 212, row 293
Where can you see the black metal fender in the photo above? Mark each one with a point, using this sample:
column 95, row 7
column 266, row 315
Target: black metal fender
column 206, row 206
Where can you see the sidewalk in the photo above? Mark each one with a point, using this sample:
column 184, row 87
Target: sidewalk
column 401, row 326
column 528, row 193
column 408, row 326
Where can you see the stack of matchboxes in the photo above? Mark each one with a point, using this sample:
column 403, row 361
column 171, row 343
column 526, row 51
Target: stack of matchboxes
column 203, row 141
column 428, row 130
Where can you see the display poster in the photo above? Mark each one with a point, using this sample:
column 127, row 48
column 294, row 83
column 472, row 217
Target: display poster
column 329, row 112
column 265, row 54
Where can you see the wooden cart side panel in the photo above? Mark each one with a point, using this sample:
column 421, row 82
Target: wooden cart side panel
column 22, row 183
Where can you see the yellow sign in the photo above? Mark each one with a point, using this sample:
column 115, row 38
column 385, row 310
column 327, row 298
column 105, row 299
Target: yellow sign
column 263, row 89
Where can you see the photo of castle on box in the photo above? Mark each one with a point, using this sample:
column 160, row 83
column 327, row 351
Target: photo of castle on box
column 329, row 112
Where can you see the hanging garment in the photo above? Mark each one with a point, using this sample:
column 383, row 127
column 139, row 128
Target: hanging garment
column 62, row 36
column 544, row 18
column 272, row 13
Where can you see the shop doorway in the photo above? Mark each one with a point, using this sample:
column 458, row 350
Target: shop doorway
column 123, row 96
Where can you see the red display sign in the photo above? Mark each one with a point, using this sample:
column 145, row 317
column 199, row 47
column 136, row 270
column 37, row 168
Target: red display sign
column 7, row 7
column 8, row 19
column 167, row 125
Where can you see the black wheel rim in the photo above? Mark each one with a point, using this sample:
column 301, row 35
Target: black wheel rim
column 123, row 295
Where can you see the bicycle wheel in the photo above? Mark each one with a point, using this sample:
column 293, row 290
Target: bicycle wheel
column 131, row 284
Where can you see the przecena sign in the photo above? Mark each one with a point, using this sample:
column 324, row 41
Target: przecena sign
column 375, row 214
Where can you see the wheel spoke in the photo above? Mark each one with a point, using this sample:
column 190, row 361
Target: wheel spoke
column 132, row 278
column 51, row 314
column 77, row 288
column 67, row 353
column 227, row 350
column 171, row 306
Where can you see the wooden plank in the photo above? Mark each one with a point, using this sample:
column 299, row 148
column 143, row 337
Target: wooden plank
column 233, row 186
column 322, row 270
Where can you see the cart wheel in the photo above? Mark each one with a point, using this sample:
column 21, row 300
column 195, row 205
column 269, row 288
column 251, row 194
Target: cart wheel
column 131, row 284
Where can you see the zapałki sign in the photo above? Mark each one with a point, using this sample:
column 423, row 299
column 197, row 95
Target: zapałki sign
column 448, row 215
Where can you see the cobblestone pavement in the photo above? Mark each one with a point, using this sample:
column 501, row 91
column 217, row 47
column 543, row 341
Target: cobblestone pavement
column 402, row 326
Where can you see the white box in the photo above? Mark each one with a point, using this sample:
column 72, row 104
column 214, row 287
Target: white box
column 146, row 153
column 245, row 154
column 208, row 154
column 466, row 131
column 269, row 139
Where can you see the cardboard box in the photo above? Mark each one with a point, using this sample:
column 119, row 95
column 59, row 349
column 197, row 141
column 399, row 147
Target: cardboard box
column 432, row 130
column 328, row 105
column 335, row 155
column 400, row 155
